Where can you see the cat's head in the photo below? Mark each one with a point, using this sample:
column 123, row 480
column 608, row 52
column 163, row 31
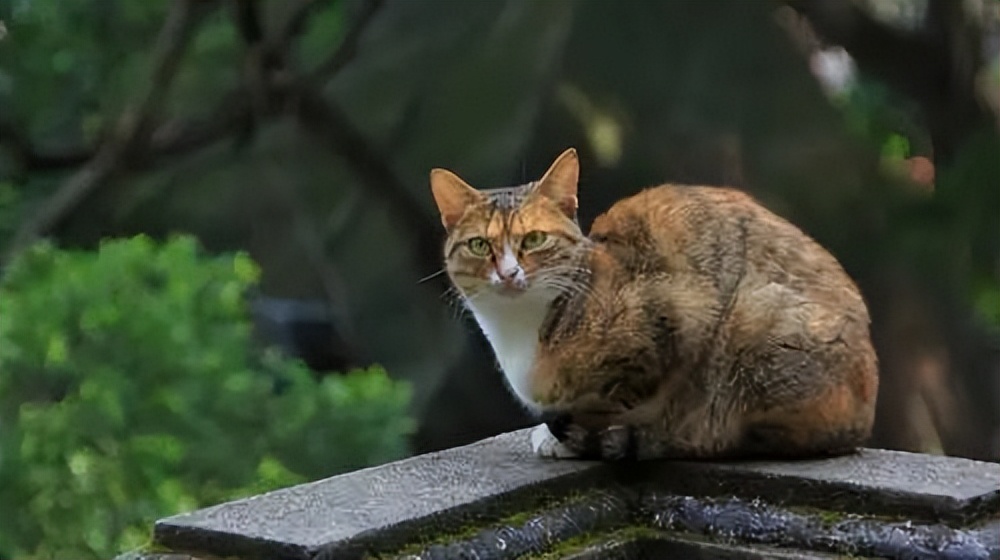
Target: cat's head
column 512, row 242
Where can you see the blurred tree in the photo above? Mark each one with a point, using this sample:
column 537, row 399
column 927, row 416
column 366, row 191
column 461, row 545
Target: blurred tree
column 128, row 392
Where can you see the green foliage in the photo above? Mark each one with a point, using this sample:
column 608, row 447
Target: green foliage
column 872, row 112
column 323, row 33
column 61, row 50
column 968, row 196
column 987, row 301
column 128, row 392
column 64, row 82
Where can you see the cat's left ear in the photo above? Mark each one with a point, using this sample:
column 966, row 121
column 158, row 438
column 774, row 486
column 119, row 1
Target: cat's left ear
column 452, row 195
column 560, row 182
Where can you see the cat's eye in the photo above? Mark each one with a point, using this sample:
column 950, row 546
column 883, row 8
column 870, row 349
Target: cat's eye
column 478, row 246
column 533, row 240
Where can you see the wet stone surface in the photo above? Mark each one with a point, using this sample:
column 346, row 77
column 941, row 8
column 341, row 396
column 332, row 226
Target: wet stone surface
column 385, row 506
column 759, row 522
column 493, row 499
column 878, row 482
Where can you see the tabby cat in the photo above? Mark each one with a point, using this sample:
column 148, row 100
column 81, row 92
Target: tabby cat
column 691, row 322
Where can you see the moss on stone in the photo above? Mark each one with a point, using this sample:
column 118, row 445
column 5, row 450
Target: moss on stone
column 154, row 547
column 581, row 543
column 469, row 530
column 831, row 517
column 424, row 541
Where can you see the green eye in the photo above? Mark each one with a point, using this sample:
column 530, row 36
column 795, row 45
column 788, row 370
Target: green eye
column 479, row 246
column 533, row 240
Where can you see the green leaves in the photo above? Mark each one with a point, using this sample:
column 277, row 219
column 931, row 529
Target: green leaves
column 59, row 62
column 128, row 392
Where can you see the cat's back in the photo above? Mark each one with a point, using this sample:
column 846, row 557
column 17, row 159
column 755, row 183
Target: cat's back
column 680, row 216
column 722, row 252
column 720, row 232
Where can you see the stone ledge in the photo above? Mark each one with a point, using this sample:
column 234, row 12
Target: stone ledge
column 391, row 503
column 495, row 498
column 914, row 486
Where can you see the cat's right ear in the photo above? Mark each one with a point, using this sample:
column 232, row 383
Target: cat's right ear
column 452, row 195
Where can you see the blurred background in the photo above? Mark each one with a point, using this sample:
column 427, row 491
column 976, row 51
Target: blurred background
column 219, row 251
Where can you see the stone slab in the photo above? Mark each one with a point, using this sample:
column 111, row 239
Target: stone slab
column 872, row 481
column 379, row 503
column 399, row 504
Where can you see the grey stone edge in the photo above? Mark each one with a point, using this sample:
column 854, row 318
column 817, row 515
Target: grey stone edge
column 498, row 500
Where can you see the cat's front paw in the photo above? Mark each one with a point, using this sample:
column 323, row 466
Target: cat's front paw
column 618, row 443
column 544, row 444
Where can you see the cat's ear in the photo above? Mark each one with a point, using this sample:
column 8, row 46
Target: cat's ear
column 452, row 195
column 560, row 182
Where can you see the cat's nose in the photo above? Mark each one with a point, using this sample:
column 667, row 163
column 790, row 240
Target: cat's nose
column 507, row 266
column 508, row 273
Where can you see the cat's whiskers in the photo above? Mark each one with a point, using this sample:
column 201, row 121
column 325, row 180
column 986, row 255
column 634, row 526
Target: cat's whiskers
column 457, row 300
column 465, row 297
column 432, row 275
column 567, row 278
column 564, row 284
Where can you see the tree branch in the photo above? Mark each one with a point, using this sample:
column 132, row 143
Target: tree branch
column 295, row 22
column 179, row 137
column 172, row 138
column 331, row 127
column 132, row 129
column 231, row 114
column 348, row 48
column 134, row 145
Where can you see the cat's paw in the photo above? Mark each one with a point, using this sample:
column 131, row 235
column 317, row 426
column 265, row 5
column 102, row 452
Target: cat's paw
column 544, row 444
column 618, row 443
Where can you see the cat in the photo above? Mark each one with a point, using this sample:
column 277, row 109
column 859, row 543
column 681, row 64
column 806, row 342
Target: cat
column 691, row 323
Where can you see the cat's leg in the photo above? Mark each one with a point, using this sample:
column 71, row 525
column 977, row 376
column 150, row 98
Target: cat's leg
column 562, row 437
column 830, row 423
column 827, row 424
column 545, row 444
column 781, row 441
column 608, row 436
column 820, row 401
column 614, row 443
column 618, row 442
column 664, row 428
column 639, row 442
column 565, row 439
column 564, row 434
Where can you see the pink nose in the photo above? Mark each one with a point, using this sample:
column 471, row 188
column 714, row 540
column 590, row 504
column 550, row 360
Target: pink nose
column 507, row 266
column 507, row 273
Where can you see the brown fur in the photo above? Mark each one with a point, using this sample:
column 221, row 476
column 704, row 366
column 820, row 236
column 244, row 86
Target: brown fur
column 692, row 322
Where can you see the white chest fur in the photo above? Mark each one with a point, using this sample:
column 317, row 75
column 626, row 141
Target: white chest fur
column 511, row 325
